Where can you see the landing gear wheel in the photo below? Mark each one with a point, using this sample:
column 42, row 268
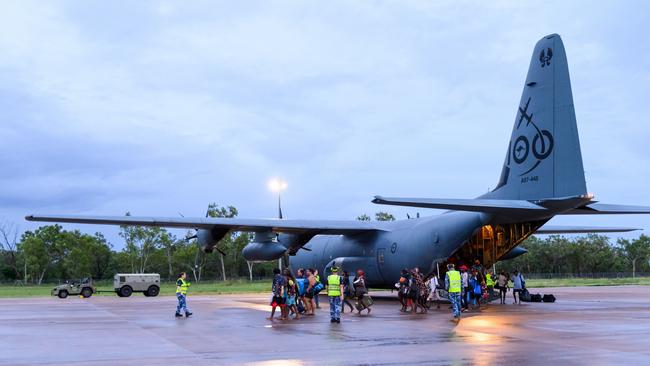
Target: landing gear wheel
column 126, row 291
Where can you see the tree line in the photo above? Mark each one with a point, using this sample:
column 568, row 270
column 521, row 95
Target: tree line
column 592, row 253
column 52, row 254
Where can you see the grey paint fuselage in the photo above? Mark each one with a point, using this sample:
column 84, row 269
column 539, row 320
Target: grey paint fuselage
column 409, row 243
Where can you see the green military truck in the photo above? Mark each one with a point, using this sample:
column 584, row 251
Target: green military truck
column 83, row 287
column 125, row 284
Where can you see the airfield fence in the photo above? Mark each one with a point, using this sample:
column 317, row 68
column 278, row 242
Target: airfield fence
column 549, row 276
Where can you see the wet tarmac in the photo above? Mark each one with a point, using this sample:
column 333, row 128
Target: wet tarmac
column 587, row 325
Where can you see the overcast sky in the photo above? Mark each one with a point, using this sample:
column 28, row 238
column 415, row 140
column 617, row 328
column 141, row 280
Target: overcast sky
column 159, row 108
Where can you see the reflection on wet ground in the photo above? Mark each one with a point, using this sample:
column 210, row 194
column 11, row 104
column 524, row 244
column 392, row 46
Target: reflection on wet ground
column 595, row 325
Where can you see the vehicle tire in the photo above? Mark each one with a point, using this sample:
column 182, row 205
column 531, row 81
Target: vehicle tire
column 152, row 291
column 87, row 292
column 119, row 294
column 63, row 294
column 126, row 291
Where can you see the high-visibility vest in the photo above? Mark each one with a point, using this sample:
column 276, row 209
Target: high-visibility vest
column 333, row 285
column 182, row 289
column 488, row 280
column 454, row 281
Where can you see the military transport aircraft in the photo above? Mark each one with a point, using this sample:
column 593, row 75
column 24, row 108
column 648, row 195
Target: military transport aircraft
column 542, row 177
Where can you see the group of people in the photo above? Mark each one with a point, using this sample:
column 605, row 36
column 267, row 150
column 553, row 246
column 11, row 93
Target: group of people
column 503, row 285
column 298, row 295
column 414, row 291
column 417, row 292
column 469, row 287
column 477, row 285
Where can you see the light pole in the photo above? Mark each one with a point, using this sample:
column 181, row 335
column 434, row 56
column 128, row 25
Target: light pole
column 278, row 185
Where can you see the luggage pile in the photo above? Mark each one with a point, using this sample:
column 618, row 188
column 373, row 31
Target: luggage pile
column 526, row 296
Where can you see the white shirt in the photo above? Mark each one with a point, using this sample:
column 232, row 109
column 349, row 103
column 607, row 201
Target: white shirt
column 433, row 283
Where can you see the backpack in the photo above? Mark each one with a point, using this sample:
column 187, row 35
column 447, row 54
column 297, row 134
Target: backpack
column 318, row 287
column 301, row 286
column 477, row 288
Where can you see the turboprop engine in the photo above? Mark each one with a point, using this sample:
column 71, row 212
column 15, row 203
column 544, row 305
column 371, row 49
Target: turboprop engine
column 265, row 247
column 209, row 238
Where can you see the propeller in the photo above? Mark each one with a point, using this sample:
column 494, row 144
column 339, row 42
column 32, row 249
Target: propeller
column 188, row 238
column 196, row 236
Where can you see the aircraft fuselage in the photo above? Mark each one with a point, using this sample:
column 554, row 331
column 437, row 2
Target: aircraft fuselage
column 410, row 243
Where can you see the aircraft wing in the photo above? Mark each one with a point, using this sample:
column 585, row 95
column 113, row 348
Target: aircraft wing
column 476, row 205
column 608, row 209
column 552, row 229
column 329, row 227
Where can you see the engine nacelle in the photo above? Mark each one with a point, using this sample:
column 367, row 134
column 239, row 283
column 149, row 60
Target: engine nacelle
column 264, row 247
column 208, row 239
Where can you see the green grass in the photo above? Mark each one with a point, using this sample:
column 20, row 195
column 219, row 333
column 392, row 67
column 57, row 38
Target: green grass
column 167, row 288
column 572, row 282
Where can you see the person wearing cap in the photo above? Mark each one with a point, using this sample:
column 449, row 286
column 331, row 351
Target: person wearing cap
column 361, row 291
column 335, row 293
column 453, row 285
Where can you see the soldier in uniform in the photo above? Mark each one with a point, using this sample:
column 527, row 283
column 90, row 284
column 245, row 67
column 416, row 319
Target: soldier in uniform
column 181, row 295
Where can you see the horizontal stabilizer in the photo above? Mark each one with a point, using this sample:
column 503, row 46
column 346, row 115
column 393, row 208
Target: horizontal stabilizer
column 607, row 209
column 475, row 205
column 552, row 229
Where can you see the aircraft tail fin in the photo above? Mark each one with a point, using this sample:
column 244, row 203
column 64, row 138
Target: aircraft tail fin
column 543, row 159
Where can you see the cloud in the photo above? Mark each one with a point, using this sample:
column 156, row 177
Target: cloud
column 158, row 108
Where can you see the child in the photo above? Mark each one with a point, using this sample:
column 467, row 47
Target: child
column 278, row 289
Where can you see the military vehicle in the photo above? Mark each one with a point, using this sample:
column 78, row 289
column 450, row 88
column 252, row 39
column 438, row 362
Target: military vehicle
column 83, row 287
column 125, row 284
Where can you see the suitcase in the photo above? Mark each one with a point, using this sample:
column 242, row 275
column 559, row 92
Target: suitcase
column 548, row 298
column 524, row 295
column 536, row 298
column 365, row 302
